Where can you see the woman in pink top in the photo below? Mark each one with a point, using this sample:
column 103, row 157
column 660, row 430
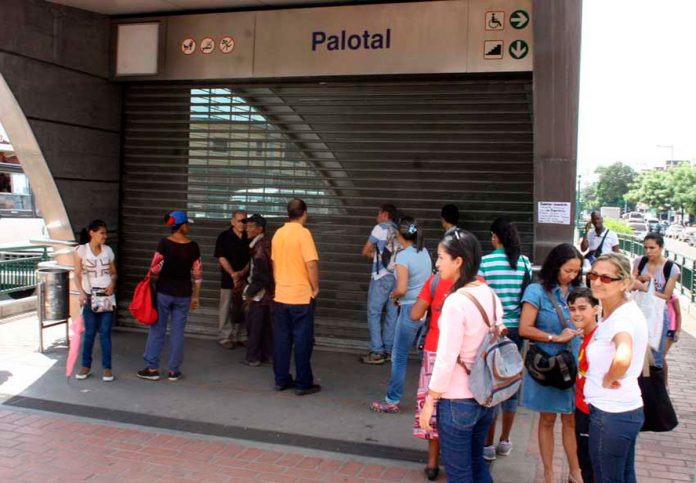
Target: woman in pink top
column 462, row 423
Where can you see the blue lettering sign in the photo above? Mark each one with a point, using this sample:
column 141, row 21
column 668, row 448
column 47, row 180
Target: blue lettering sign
column 351, row 41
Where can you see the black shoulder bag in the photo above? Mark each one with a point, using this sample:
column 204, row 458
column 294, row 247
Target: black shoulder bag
column 557, row 371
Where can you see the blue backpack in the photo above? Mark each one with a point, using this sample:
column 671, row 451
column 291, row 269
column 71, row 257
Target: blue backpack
column 496, row 373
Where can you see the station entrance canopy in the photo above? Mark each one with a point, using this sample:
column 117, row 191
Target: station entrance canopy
column 419, row 104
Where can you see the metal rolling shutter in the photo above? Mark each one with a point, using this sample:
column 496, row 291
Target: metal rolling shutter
column 344, row 147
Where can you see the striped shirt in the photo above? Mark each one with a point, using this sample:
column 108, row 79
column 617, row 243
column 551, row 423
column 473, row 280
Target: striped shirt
column 506, row 282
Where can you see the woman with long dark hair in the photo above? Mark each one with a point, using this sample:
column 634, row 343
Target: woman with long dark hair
column 540, row 323
column 507, row 272
column 462, row 423
column 176, row 263
column 95, row 277
column 413, row 267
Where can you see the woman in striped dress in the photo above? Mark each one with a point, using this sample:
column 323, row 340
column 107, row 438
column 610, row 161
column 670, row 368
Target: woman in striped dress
column 507, row 272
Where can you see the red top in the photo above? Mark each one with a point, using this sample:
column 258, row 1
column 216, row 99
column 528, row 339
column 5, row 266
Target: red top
column 441, row 291
column 583, row 366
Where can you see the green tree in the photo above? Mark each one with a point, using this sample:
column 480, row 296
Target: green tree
column 683, row 182
column 654, row 188
column 613, row 183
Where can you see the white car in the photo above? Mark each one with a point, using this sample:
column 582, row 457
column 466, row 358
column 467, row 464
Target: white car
column 673, row 231
column 686, row 233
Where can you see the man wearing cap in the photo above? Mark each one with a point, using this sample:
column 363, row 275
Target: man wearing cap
column 258, row 294
column 232, row 252
column 296, row 275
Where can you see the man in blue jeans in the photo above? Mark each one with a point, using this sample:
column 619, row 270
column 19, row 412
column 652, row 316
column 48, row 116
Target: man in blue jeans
column 380, row 249
column 296, row 274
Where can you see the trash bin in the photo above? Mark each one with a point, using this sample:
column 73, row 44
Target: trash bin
column 54, row 302
column 53, row 290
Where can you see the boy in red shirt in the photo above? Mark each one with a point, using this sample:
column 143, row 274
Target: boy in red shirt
column 584, row 309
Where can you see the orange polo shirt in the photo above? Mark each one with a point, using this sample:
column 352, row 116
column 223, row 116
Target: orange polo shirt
column 292, row 247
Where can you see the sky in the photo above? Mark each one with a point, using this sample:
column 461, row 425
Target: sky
column 637, row 83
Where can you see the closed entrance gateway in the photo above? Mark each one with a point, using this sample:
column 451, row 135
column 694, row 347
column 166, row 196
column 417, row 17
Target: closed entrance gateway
column 344, row 144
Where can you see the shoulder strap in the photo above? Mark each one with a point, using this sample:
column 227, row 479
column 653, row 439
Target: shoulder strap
column 667, row 269
column 484, row 315
column 598, row 250
column 433, row 286
column 641, row 265
column 559, row 312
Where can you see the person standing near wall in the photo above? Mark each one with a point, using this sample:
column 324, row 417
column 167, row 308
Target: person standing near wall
column 232, row 252
column 599, row 240
column 508, row 273
column 95, row 276
column 296, row 275
column 381, row 248
column 449, row 218
column 258, row 294
column 413, row 267
column 175, row 264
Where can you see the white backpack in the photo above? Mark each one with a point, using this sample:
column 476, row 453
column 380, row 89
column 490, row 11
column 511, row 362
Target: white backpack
column 496, row 373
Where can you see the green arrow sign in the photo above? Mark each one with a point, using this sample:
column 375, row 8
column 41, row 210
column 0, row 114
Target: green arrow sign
column 519, row 19
column 518, row 49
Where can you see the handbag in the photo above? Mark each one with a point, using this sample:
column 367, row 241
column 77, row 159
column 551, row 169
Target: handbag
column 653, row 309
column 557, row 371
column 101, row 302
column 657, row 406
column 142, row 307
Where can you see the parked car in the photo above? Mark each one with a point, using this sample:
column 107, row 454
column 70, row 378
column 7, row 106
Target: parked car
column 673, row 230
column 634, row 216
column 654, row 226
column 686, row 233
column 640, row 229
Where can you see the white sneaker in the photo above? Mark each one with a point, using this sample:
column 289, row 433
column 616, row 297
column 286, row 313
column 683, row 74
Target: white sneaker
column 504, row 448
column 489, row 453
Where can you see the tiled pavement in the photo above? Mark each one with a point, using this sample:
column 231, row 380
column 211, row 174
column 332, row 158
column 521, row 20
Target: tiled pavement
column 43, row 447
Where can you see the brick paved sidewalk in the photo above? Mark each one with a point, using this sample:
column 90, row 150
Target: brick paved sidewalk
column 43, row 447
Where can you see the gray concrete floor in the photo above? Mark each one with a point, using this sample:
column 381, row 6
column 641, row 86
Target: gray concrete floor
column 217, row 388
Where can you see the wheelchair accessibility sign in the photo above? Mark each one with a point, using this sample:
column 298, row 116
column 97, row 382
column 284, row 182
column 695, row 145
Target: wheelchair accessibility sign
column 495, row 20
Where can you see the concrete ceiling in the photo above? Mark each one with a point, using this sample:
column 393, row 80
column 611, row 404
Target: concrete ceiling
column 129, row 7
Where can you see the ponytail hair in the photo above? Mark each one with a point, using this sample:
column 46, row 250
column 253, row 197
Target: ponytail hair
column 506, row 231
column 94, row 225
column 409, row 229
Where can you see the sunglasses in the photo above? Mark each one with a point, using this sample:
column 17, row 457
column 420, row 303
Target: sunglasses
column 593, row 277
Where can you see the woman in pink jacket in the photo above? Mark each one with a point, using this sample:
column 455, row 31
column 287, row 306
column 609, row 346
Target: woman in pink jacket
column 462, row 423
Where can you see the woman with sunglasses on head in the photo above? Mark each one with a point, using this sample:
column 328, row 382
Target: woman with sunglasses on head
column 462, row 423
column 542, row 303
column 413, row 267
column 615, row 357
column 653, row 266
column 175, row 264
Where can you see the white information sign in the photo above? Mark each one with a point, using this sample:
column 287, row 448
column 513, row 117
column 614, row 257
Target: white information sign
column 554, row 212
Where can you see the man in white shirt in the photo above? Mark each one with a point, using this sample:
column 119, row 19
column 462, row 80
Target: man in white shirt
column 600, row 240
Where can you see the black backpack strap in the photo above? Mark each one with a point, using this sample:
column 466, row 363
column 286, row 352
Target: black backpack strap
column 643, row 262
column 598, row 250
column 667, row 270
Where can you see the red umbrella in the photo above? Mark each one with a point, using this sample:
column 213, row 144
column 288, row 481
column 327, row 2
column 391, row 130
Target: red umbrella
column 77, row 327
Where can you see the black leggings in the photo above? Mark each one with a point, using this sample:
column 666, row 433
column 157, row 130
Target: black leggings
column 582, row 437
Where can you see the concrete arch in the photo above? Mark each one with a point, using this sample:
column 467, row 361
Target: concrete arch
column 34, row 164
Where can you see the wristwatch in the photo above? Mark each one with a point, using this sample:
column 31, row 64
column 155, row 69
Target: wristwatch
column 550, row 338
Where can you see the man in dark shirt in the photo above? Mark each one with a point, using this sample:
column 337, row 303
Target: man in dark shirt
column 232, row 251
column 258, row 294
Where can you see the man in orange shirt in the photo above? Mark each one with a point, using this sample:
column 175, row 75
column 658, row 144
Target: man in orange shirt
column 296, row 274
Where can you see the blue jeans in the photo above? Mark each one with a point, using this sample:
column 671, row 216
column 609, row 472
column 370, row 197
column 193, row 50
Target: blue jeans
column 658, row 355
column 178, row 308
column 613, row 444
column 293, row 325
column 94, row 322
column 462, row 425
column 378, row 300
column 406, row 333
